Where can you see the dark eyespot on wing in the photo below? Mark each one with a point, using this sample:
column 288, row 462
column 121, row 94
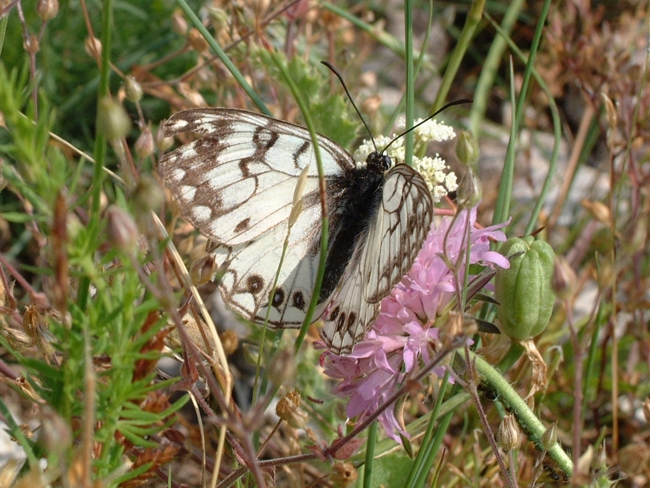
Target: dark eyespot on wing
column 278, row 297
column 299, row 301
column 254, row 284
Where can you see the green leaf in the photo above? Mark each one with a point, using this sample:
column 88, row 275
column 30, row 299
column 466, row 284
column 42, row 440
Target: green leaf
column 390, row 471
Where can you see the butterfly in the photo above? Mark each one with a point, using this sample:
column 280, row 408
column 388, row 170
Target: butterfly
column 236, row 184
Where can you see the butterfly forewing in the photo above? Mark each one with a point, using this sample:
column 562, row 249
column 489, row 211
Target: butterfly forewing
column 383, row 256
column 236, row 184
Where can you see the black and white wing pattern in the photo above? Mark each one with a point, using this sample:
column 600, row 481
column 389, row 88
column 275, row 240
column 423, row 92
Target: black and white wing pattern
column 382, row 257
column 236, row 185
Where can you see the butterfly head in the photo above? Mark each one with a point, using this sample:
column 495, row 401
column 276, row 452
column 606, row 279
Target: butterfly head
column 379, row 162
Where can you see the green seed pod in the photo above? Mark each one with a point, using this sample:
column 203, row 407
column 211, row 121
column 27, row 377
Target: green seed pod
column 112, row 120
column 524, row 290
column 467, row 150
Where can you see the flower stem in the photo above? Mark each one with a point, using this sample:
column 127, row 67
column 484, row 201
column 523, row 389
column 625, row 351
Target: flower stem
column 472, row 384
column 533, row 427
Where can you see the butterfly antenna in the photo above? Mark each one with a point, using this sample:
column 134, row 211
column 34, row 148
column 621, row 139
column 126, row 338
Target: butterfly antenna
column 450, row 104
column 338, row 75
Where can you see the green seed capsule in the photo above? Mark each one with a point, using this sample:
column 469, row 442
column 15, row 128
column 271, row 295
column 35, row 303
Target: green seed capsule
column 524, row 290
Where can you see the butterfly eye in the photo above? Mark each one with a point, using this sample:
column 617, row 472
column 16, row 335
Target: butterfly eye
column 378, row 162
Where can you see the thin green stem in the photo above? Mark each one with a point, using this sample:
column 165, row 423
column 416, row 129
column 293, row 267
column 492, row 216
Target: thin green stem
column 490, row 67
column 502, row 206
column 418, row 67
column 410, row 82
column 101, row 148
column 3, row 29
column 223, row 57
column 434, row 446
column 502, row 210
column 533, row 427
column 471, row 23
column 431, row 440
column 370, row 454
column 593, row 351
column 325, row 224
column 557, row 139
column 380, row 35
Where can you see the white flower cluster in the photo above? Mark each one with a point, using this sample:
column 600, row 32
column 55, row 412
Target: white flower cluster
column 434, row 170
column 432, row 130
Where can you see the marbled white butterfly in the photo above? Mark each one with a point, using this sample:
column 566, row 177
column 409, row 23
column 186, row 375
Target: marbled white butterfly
column 236, row 184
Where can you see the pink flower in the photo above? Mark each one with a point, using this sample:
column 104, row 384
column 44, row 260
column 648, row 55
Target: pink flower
column 403, row 339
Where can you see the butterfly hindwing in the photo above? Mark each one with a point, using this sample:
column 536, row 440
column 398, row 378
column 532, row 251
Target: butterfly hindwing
column 251, row 269
column 382, row 257
column 236, row 184
column 400, row 229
